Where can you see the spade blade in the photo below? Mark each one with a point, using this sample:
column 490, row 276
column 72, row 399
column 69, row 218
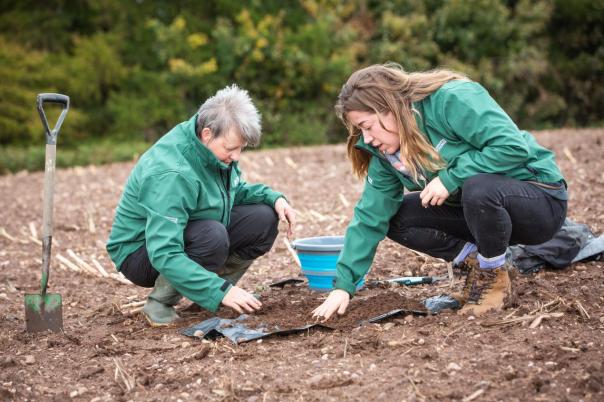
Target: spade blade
column 43, row 312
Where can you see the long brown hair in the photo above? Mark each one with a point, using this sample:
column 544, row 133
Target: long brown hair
column 383, row 88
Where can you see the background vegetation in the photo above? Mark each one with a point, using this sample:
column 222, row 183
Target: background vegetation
column 133, row 69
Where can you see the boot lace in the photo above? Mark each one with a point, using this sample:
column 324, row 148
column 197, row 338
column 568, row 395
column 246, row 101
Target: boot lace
column 466, row 266
column 482, row 279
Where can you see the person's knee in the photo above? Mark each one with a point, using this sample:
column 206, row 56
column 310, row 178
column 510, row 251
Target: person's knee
column 269, row 221
column 264, row 230
column 398, row 230
column 268, row 218
column 398, row 235
column 477, row 189
column 401, row 222
column 207, row 238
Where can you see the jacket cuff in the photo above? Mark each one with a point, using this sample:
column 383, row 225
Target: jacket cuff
column 450, row 184
column 272, row 198
column 216, row 298
column 345, row 285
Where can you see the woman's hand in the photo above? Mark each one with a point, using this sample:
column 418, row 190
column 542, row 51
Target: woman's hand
column 435, row 193
column 286, row 214
column 336, row 301
column 240, row 300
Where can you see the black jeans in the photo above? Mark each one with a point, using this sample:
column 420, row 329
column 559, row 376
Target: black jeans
column 496, row 211
column 250, row 234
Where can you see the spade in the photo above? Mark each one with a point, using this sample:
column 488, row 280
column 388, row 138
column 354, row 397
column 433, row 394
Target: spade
column 44, row 311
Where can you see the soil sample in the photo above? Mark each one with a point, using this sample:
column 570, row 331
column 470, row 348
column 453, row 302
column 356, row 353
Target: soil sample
column 292, row 309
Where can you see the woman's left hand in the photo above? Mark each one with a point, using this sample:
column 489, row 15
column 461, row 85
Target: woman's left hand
column 286, row 214
column 435, row 193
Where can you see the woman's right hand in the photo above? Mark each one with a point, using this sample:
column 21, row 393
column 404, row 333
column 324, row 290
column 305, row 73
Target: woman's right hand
column 336, row 301
column 240, row 300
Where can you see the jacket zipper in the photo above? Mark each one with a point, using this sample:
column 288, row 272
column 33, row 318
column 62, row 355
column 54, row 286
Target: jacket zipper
column 228, row 191
column 222, row 196
column 226, row 202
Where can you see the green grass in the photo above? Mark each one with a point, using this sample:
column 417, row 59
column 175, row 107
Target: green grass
column 15, row 158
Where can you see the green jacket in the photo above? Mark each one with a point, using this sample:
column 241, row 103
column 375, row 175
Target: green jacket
column 178, row 180
column 472, row 134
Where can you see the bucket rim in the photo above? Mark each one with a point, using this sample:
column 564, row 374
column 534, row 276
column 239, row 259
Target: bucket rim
column 335, row 243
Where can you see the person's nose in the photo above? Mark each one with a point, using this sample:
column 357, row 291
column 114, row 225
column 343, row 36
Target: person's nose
column 368, row 139
column 235, row 155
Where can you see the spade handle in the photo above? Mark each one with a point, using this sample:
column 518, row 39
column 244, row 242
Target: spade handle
column 49, row 177
column 47, row 212
column 51, row 135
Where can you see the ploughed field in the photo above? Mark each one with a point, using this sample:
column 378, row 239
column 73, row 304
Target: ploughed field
column 546, row 346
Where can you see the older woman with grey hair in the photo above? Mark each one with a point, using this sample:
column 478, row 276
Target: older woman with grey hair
column 187, row 224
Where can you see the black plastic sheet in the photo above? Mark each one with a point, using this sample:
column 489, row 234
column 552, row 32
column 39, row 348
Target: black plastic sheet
column 238, row 331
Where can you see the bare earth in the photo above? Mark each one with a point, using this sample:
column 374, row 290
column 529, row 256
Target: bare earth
column 548, row 346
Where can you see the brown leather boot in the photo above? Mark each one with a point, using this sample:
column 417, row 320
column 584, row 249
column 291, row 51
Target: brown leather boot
column 486, row 289
column 466, row 266
column 464, row 271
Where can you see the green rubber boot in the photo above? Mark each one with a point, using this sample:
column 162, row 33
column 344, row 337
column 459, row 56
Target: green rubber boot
column 234, row 268
column 159, row 309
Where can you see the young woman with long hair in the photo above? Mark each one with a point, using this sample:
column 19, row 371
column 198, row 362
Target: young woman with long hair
column 447, row 173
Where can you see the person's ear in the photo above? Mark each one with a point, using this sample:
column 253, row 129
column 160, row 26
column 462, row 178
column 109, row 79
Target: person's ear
column 206, row 135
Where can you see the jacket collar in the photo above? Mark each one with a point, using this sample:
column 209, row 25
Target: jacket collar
column 360, row 144
column 207, row 157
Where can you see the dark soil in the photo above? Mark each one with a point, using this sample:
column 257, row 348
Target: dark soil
column 289, row 308
column 547, row 346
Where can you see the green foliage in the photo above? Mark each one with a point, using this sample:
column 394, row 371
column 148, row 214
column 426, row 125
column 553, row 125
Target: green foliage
column 135, row 69
column 21, row 72
column 139, row 114
column 577, row 30
column 13, row 158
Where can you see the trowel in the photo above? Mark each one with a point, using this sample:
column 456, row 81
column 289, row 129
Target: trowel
column 410, row 280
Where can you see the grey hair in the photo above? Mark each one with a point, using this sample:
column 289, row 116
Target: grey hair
column 231, row 108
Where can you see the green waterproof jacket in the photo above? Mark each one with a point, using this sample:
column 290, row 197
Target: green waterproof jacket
column 472, row 134
column 178, row 180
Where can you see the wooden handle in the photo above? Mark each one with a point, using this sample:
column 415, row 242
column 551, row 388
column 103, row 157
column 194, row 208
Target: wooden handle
column 47, row 212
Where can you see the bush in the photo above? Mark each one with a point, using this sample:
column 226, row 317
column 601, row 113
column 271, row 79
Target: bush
column 14, row 158
column 135, row 69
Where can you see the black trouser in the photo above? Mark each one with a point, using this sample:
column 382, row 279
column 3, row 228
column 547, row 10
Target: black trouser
column 496, row 211
column 250, row 234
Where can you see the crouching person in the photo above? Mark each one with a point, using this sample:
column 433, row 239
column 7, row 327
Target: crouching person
column 187, row 224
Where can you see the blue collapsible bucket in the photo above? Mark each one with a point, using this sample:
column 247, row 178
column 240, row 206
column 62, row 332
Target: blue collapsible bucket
column 318, row 257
